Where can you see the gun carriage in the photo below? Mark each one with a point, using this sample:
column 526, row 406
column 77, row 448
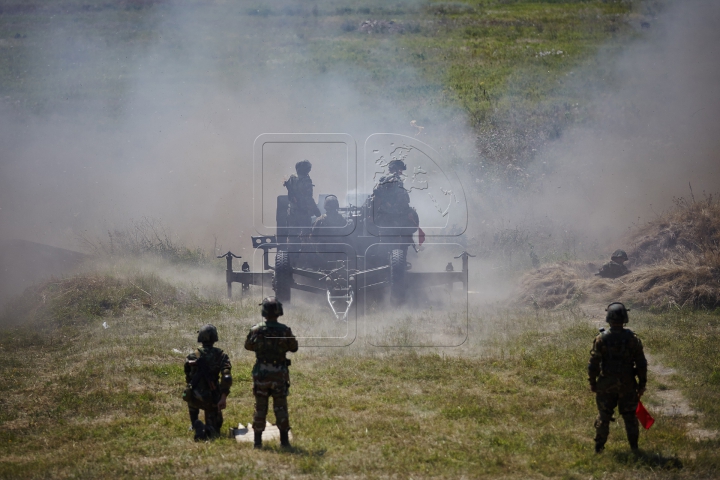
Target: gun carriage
column 344, row 265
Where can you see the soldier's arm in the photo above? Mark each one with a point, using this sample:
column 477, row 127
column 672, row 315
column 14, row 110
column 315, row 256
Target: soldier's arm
column 226, row 380
column 189, row 361
column 250, row 340
column 594, row 363
column 291, row 342
column 640, row 366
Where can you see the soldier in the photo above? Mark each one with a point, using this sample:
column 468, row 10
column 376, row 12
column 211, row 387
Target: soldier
column 327, row 229
column 300, row 196
column 615, row 268
column 331, row 218
column 391, row 202
column 206, row 389
column 615, row 360
column 271, row 340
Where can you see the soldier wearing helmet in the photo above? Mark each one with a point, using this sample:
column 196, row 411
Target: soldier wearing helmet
column 331, row 217
column 300, row 197
column 615, row 268
column 391, row 202
column 271, row 340
column 208, row 379
column 616, row 360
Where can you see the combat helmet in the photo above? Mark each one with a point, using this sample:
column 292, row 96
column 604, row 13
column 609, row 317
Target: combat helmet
column 271, row 307
column 619, row 255
column 397, row 165
column 331, row 203
column 207, row 334
column 616, row 313
column 303, row 167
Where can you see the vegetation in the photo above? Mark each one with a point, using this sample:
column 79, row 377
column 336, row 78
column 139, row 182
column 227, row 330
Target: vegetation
column 92, row 400
column 675, row 263
column 513, row 67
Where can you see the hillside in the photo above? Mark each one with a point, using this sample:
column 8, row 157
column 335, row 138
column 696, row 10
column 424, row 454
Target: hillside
column 674, row 262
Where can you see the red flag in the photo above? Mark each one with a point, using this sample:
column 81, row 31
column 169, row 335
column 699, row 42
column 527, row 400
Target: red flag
column 421, row 236
column 645, row 418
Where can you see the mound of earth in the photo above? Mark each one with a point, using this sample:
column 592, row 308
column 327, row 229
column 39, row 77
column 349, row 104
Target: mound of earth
column 673, row 260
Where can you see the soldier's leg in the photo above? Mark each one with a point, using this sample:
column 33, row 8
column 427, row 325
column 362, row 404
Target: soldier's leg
column 213, row 422
column 282, row 417
column 627, row 405
column 261, row 408
column 606, row 405
column 198, row 426
column 194, row 414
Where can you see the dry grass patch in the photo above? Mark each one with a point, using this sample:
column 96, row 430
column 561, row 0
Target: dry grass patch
column 675, row 262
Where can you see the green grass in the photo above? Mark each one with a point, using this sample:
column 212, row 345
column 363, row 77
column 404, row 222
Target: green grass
column 86, row 401
column 496, row 61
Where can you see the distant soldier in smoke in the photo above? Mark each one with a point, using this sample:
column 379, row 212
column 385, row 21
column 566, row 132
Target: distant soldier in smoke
column 271, row 340
column 327, row 229
column 615, row 268
column 301, row 206
column 616, row 359
column 330, row 219
column 391, row 201
column 208, row 379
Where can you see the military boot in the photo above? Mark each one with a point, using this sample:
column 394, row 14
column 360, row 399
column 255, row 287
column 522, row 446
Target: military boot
column 199, row 428
column 258, row 440
column 633, row 441
column 285, row 438
column 599, row 447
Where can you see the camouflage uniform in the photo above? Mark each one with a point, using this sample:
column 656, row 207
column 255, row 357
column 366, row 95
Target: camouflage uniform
column 391, row 204
column 615, row 268
column 271, row 340
column 203, row 369
column 300, row 197
column 330, row 219
column 615, row 360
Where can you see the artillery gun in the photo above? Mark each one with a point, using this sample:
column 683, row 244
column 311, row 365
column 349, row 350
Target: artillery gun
column 346, row 266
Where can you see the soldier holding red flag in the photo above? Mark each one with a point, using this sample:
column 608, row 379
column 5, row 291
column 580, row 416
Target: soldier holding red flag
column 616, row 360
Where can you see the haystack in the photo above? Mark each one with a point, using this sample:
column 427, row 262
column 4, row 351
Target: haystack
column 674, row 262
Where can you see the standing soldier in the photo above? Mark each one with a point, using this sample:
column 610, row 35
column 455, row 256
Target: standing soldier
column 391, row 201
column 615, row 360
column 271, row 340
column 206, row 389
column 300, row 197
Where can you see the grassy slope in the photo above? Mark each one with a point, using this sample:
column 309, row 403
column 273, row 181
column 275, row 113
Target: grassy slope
column 82, row 400
column 496, row 60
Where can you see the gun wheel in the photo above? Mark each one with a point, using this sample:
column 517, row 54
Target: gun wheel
column 283, row 278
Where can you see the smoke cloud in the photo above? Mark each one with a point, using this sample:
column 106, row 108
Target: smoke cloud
column 168, row 133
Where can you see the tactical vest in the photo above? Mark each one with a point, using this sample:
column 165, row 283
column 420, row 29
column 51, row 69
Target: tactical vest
column 618, row 356
column 269, row 349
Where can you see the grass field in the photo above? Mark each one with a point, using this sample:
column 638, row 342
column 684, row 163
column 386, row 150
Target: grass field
column 519, row 69
column 92, row 364
column 85, row 401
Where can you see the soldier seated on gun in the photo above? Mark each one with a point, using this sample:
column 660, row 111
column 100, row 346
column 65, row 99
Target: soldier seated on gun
column 300, row 197
column 615, row 268
column 391, row 202
column 331, row 218
column 271, row 340
column 208, row 378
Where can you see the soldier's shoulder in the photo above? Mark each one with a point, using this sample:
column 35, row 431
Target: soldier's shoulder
column 280, row 326
column 192, row 356
column 630, row 333
column 257, row 326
